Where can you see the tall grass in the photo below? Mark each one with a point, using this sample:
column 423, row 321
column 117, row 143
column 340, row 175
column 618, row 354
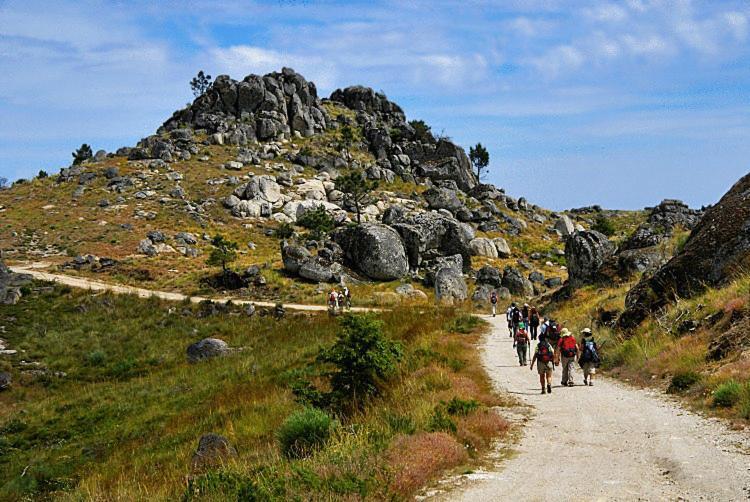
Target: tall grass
column 125, row 421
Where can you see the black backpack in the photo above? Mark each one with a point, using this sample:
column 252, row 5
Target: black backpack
column 590, row 354
column 553, row 332
column 516, row 315
column 535, row 319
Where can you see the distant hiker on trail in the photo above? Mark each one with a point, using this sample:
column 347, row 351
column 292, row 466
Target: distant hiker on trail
column 493, row 302
column 333, row 301
column 522, row 343
column 543, row 356
column 533, row 323
column 568, row 350
column 509, row 317
column 516, row 320
column 341, row 299
column 551, row 332
column 525, row 312
column 589, row 358
column 348, row 297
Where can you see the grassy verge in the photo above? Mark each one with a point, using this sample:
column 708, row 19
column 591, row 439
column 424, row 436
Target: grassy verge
column 674, row 350
column 125, row 420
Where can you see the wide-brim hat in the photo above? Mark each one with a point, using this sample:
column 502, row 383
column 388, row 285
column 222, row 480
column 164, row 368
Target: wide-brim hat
column 586, row 331
column 565, row 332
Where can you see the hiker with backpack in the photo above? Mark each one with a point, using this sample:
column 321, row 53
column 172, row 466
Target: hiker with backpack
column 525, row 312
column 333, row 302
column 533, row 323
column 493, row 302
column 509, row 317
column 348, row 297
column 568, row 353
column 551, row 333
column 521, row 343
column 543, row 357
column 589, row 358
column 516, row 319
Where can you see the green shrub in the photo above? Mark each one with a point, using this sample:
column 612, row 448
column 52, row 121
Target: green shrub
column 285, row 231
column 318, row 221
column 683, row 381
column 441, row 421
column 465, row 323
column 462, row 407
column 96, row 358
column 422, row 131
column 604, row 225
column 727, row 394
column 362, row 358
column 305, row 431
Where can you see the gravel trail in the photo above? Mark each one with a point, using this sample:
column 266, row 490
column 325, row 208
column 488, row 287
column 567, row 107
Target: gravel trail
column 606, row 442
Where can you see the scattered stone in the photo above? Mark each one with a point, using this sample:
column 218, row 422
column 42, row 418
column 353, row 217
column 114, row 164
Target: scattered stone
column 213, row 451
column 450, row 285
column 207, row 348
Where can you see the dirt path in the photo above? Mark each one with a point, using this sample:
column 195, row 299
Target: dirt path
column 35, row 270
column 606, row 442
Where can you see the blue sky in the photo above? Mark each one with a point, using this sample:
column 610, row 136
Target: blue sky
column 619, row 103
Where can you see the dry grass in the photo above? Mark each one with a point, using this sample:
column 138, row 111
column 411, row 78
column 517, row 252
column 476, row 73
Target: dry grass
column 418, row 459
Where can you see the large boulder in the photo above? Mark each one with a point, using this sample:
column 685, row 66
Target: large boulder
column 208, row 348
column 374, row 249
column 261, row 189
column 5, row 380
column 11, row 284
column 717, row 250
column 442, row 198
column 502, row 247
column 294, row 256
column 565, row 225
column 517, row 284
column 586, row 252
column 482, row 246
column 489, row 275
column 319, row 270
column 450, row 285
column 426, row 234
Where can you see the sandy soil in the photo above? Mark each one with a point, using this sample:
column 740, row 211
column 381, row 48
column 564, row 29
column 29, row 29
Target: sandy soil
column 606, row 442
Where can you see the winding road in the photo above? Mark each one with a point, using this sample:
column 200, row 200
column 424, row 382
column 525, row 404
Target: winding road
column 606, row 442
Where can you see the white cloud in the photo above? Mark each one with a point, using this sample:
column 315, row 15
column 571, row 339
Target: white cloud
column 608, row 12
column 737, row 23
column 559, row 60
column 650, row 45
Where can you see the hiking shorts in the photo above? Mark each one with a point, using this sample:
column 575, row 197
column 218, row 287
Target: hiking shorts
column 544, row 368
column 588, row 369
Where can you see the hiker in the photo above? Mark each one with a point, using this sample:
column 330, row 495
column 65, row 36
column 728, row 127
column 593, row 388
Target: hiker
column 341, row 299
column 551, row 332
column 568, row 352
column 589, row 358
column 348, row 297
column 543, row 357
column 533, row 323
column 333, row 300
column 517, row 319
column 509, row 317
column 525, row 312
column 493, row 302
column 522, row 343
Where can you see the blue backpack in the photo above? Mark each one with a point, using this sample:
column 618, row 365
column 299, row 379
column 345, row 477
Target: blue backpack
column 590, row 354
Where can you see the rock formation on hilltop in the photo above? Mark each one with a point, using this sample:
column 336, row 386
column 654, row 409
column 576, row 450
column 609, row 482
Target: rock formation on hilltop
column 718, row 248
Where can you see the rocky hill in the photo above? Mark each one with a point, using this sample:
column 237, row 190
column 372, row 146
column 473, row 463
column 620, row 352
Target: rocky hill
column 252, row 160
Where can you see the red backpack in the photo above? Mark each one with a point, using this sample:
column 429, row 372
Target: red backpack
column 544, row 352
column 568, row 346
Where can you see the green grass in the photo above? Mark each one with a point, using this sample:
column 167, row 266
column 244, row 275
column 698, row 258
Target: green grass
column 124, row 422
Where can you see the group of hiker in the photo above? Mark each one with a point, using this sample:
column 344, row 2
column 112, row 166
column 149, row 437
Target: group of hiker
column 339, row 300
column 556, row 346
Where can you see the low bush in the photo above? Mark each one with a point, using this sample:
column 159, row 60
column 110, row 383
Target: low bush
column 683, row 381
column 305, row 431
column 727, row 394
column 461, row 407
column 465, row 324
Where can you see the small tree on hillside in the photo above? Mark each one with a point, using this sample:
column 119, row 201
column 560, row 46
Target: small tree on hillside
column 480, row 158
column 347, row 136
column 317, row 221
column 42, row 174
column 356, row 190
column 362, row 358
column 200, row 83
column 83, row 153
column 422, row 130
column 3, row 182
column 604, row 225
column 223, row 253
